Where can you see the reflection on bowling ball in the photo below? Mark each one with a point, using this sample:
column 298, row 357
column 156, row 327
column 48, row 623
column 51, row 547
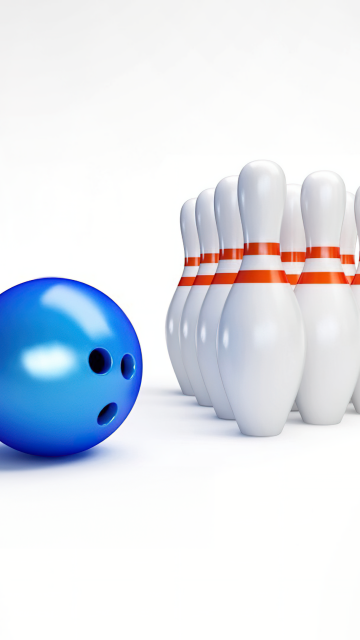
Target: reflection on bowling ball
column 70, row 367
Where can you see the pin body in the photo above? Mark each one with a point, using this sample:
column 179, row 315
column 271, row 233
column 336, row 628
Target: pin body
column 331, row 318
column 292, row 239
column 348, row 239
column 209, row 248
column 192, row 262
column 261, row 344
column 355, row 288
column 229, row 228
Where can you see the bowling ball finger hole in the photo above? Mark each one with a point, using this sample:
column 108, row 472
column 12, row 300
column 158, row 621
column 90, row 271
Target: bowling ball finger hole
column 100, row 361
column 107, row 414
column 128, row 366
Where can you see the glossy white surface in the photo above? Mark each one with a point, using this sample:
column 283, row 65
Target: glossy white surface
column 355, row 288
column 261, row 345
column 292, row 235
column 230, row 233
column 348, row 235
column 172, row 326
column 209, row 243
column 348, row 230
column 331, row 318
column 227, row 214
column 261, row 195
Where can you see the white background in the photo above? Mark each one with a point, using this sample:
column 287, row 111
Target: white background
column 112, row 114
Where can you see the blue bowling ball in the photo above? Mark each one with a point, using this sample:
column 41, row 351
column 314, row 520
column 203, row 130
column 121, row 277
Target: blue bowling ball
column 70, row 367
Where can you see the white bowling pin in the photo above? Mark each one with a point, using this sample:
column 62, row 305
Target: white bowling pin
column 348, row 239
column 330, row 315
column 292, row 239
column 192, row 262
column 230, row 233
column 261, row 342
column 355, row 288
column 209, row 249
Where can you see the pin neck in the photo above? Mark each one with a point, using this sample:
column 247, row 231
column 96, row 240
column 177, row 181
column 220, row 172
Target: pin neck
column 192, row 262
column 203, row 280
column 261, row 276
column 209, row 257
column 231, row 254
column 323, row 252
column 261, row 249
column 347, row 258
column 224, row 278
column 293, row 256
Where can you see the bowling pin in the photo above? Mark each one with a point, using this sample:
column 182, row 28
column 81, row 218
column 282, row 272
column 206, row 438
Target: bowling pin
column 209, row 257
column 192, row 262
column 230, row 233
column 292, row 239
column 331, row 318
column 355, row 288
column 348, row 239
column 261, row 341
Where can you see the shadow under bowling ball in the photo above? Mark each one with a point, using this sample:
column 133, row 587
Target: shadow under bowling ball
column 70, row 367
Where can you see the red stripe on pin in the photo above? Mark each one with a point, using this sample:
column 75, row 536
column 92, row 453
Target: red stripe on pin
column 356, row 279
column 203, row 280
column 209, row 257
column 261, row 276
column 261, row 249
column 293, row 278
column 231, row 254
column 224, row 278
column 186, row 282
column 192, row 262
column 323, row 252
column 293, row 256
column 347, row 259
column 323, row 277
